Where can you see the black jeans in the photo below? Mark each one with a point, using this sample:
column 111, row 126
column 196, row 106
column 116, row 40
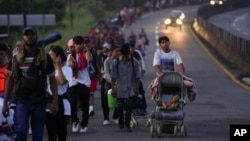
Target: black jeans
column 79, row 92
column 105, row 86
column 122, row 105
column 56, row 125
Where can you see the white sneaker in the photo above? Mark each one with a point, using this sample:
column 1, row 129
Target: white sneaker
column 116, row 121
column 30, row 131
column 75, row 127
column 83, row 129
column 105, row 122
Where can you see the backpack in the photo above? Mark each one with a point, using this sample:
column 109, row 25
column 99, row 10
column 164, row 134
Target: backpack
column 117, row 66
column 31, row 83
column 3, row 77
column 91, row 67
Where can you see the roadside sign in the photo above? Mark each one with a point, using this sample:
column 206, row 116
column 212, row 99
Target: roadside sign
column 32, row 20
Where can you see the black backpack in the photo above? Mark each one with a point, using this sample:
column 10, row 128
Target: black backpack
column 117, row 66
column 31, row 83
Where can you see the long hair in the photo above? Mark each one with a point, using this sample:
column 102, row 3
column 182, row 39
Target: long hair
column 58, row 50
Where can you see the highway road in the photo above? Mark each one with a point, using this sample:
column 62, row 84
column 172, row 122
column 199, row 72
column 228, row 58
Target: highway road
column 220, row 101
column 236, row 22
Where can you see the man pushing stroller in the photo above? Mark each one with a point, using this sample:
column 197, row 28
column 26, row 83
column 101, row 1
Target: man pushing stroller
column 166, row 60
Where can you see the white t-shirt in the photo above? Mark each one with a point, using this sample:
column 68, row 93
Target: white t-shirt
column 67, row 72
column 83, row 75
column 61, row 89
column 167, row 61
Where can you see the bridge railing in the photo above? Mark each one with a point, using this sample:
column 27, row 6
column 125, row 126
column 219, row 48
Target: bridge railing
column 231, row 47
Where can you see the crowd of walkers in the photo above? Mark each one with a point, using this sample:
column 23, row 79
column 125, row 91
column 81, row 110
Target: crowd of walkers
column 40, row 88
column 49, row 88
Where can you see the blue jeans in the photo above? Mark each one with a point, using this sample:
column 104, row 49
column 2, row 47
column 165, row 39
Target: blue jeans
column 25, row 111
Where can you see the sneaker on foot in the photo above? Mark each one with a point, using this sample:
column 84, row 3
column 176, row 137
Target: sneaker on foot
column 91, row 113
column 105, row 122
column 116, row 121
column 75, row 127
column 83, row 129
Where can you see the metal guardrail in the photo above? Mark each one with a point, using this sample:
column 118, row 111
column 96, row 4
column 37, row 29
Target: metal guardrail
column 231, row 47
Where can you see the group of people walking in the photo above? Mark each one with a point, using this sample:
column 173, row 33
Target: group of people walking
column 49, row 87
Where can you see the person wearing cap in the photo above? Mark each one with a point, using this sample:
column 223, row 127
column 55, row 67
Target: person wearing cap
column 28, row 74
column 70, row 47
column 79, row 87
column 106, row 57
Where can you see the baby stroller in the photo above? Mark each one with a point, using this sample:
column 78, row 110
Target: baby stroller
column 169, row 119
column 139, row 111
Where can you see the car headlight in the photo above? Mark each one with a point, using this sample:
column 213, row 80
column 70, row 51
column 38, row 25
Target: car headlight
column 178, row 21
column 220, row 2
column 182, row 16
column 167, row 21
column 212, row 2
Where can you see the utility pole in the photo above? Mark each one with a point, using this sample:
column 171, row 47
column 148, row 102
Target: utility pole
column 24, row 13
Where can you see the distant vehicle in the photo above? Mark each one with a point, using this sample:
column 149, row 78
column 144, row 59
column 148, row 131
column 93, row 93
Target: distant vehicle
column 214, row 2
column 178, row 13
column 174, row 19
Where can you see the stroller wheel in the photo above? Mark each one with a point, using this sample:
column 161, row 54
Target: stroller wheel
column 152, row 131
column 147, row 124
column 175, row 130
column 158, row 130
column 183, row 131
column 132, row 124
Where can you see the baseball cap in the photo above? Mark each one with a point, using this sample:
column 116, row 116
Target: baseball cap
column 29, row 28
column 70, row 43
column 106, row 45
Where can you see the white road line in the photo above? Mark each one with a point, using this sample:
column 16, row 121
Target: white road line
column 156, row 33
column 242, row 17
column 245, row 33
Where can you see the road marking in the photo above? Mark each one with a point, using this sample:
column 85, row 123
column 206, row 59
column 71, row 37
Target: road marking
column 156, row 33
column 242, row 17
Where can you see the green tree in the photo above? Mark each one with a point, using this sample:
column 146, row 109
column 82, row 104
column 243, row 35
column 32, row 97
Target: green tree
column 96, row 7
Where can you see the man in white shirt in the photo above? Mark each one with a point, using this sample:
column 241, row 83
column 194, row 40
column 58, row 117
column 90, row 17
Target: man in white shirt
column 166, row 59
